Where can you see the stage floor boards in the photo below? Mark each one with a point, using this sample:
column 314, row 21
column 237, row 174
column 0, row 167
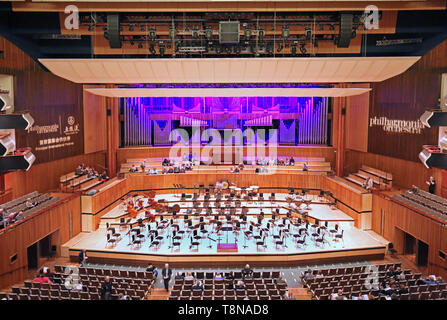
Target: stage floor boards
column 357, row 244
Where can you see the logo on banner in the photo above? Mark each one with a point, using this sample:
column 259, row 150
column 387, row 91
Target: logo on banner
column 397, row 126
column 73, row 127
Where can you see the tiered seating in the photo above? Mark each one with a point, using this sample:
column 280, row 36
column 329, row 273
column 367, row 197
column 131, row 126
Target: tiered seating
column 43, row 201
column 262, row 286
column 352, row 281
column 314, row 165
column 136, row 284
column 425, row 202
column 381, row 179
column 73, row 182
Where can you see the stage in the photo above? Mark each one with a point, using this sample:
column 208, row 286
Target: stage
column 232, row 248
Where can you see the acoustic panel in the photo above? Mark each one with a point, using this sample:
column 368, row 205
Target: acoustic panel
column 221, row 70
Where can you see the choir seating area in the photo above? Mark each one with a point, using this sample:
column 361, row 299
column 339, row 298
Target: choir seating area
column 135, row 284
column 42, row 201
column 426, row 202
column 315, row 165
column 353, row 281
column 262, row 286
column 382, row 180
column 72, row 182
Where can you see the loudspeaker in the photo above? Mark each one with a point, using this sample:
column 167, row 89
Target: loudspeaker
column 113, row 30
column 228, row 32
column 5, row 102
column 345, row 33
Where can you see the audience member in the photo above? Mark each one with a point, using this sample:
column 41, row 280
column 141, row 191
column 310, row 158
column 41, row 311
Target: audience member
column 197, row 286
column 106, row 289
column 166, row 273
column 152, row 268
column 431, row 185
column 247, row 272
column 189, row 276
column 82, row 257
column 240, row 285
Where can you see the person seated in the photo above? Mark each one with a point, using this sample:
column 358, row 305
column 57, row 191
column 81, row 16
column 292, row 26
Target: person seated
column 133, row 169
column 247, row 272
column 152, row 268
column 104, row 177
column 308, row 275
column 281, row 281
column 14, row 216
column 189, row 276
column 292, row 161
column 240, row 285
column 179, row 276
column 218, row 276
column 339, row 295
column 29, row 204
column 170, row 170
column 47, row 273
column 402, row 289
column 391, row 290
column 164, row 171
column 230, row 286
column 197, row 286
column 305, row 166
column 79, row 171
column 439, row 280
column 182, row 169
column 42, row 279
column 229, row 276
column 429, row 280
column 176, row 169
column 165, row 162
column 241, row 166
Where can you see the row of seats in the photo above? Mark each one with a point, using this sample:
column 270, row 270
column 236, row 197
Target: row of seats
column 20, row 200
column 421, row 207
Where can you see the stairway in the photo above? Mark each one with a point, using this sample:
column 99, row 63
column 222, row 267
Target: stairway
column 158, row 294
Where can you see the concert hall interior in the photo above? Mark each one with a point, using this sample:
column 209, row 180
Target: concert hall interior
column 265, row 150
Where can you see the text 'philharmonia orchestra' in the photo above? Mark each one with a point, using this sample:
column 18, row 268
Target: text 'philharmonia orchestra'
column 397, row 126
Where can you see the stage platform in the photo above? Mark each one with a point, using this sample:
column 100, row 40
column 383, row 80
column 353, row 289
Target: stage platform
column 356, row 244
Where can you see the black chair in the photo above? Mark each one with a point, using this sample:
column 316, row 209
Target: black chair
column 194, row 243
column 110, row 240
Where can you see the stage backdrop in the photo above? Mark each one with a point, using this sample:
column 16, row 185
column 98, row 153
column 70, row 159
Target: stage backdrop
column 396, row 105
column 56, row 106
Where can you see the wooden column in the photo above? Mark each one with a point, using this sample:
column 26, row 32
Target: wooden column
column 112, row 134
column 339, row 114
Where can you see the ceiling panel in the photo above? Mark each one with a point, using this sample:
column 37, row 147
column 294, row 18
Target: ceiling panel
column 230, row 70
column 228, row 92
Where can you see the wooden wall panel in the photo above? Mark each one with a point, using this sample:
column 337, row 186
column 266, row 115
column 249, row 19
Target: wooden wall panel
column 405, row 173
column 357, row 110
column 95, row 126
column 15, row 240
column 46, row 176
column 406, row 97
column 409, row 221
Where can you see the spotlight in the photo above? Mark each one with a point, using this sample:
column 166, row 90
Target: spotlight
column 280, row 46
column 142, row 28
column 152, row 33
column 247, row 32
column 331, row 27
column 91, row 28
column 308, row 33
column 303, row 48
column 152, row 49
column 161, row 49
column 209, row 33
column 195, row 33
column 293, row 50
column 261, row 34
column 131, row 28
column 140, row 46
column 285, row 32
column 172, row 33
